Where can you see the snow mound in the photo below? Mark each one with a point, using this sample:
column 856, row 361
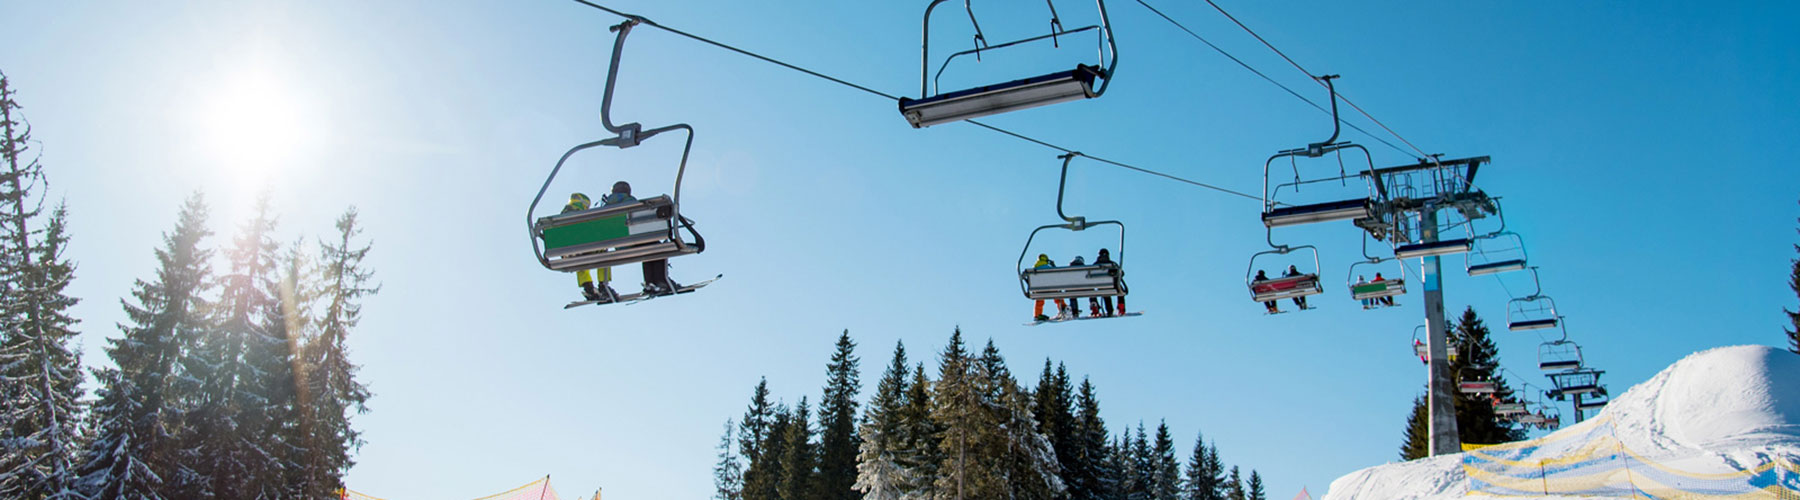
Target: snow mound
column 1724, row 421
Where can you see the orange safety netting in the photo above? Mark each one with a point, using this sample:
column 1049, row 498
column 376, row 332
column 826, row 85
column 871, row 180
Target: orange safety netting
column 535, row 490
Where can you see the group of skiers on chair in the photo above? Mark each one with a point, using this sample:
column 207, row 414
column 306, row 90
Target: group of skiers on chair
column 1072, row 309
column 1270, row 305
column 595, row 283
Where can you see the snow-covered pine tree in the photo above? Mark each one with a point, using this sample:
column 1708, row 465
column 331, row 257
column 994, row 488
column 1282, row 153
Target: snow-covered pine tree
column 1124, row 468
column 333, row 392
column 1027, row 460
column 1479, row 359
column 918, row 448
column 728, row 474
column 134, row 451
column 800, row 459
column 1234, row 486
column 1255, row 488
column 959, row 409
column 240, row 368
column 40, row 376
column 879, row 474
column 1204, row 479
column 1165, row 472
column 838, row 441
column 1053, row 405
column 1089, row 474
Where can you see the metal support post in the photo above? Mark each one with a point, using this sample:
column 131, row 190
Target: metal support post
column 1440, row 393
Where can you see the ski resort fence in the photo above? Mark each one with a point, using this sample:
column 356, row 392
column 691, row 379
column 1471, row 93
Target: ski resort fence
column 1591, row 461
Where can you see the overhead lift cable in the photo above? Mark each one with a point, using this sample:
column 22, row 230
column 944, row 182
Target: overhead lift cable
column 1259, row 73
column 1422, row 154
column 846, row 83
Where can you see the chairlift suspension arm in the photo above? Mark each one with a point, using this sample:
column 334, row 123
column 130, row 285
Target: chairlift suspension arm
column 1336, row 126
column 1109, row 45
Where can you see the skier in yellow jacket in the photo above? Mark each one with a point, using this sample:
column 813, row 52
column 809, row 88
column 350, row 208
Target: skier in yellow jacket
column 601, row 292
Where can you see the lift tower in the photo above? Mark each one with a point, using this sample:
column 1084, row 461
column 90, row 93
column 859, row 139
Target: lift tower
column 1410, row 211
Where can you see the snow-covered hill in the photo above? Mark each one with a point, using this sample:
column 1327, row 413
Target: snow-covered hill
column 1720, row 422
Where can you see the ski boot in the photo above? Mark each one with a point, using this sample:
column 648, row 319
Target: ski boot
column 589, row 292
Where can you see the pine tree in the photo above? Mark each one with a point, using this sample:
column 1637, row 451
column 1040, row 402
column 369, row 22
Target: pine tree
column 799, row 460
column 1204, row 479
column 1143, row 467
column 1417, row 442
column 918, row 446
column 1053, row 406
column 244, row 373
column 1256, row 488
column 40, row 376
column 1793, row 330
column 728, row 474
column 1124, row 468
column 755, row 432
column 1165, row 477
column 838, row 441
column 332, row 393
column 1089, row 474
column 1027, row 459
column 134, row 451
column 1476, row 421
column 1234, row 487
column 763, row 475
column 961, row 412
column 879, row 472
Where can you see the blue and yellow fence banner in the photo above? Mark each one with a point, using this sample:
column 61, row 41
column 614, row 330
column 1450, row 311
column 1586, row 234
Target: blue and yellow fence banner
column 1589, row 460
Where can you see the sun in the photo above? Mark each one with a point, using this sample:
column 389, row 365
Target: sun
column 253, row 124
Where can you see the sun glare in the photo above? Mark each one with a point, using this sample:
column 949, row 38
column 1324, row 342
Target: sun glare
column 253, row 123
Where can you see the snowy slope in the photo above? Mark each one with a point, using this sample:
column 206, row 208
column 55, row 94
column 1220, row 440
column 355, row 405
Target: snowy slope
column 1719, row 422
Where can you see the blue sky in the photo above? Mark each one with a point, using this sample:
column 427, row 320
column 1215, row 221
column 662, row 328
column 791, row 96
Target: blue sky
column 1639, row 149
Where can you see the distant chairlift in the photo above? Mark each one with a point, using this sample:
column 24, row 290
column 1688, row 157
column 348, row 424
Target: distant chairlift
column 1497, row 252
column 1510, row 409
column 630, row 233
column 1532, row 312
column 1583, row 381
column 1595, row 401
column 1559, row 355
column 1424, row 351
column 1373, row 290
column 1277, row 288
column 1102, row 280
column 1062, row 86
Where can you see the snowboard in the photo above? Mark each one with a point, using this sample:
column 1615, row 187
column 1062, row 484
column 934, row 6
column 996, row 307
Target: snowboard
column 633, row 298
column 1085, row 318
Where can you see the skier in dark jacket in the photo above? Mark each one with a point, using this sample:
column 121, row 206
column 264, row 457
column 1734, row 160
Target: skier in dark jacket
column 1291, row 272
column 1075, row 302
column 1105, row 260
column 656, row 272
column 1270, row 304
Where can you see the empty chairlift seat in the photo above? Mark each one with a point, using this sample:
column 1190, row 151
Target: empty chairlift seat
column 1509, row 409
column 1288, row 287
column 614, row 235
column 1495, row 267
column 1432, row 249
column 1318, row 212
column 1000, row 98
column 1592, row 403
column 1476, row 387
column 1074, row 281
column 1557, row 365
column 1576, row 382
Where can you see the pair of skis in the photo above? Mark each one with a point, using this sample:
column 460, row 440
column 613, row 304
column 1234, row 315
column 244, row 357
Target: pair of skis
column 633, row 298
column 1059, row 319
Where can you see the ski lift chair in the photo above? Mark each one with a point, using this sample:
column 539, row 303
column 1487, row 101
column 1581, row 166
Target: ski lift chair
column 1423, row 350
column 1061, row 86
column 1494, row 254
column 1596, row 402
column 1535, row 312
column 1373, row 290
column 1476, row 387
column 1510, row 409
column 1093, row 280
column 1559, row 355
column 1273, row 289
column 1432, row 249
column 621, row 234
column 1584, row 381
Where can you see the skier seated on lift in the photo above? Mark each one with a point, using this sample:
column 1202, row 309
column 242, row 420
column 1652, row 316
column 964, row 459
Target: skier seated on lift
column 1261, row 277
column 1037, row 311
column 600, row 292
column 1360, row 281
column 1388, row 300
column 1075, row 302
column 1105, row 260
column 1291, row 272
column 656, row 272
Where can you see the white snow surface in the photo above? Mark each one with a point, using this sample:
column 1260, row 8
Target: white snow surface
column 1719, row 410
